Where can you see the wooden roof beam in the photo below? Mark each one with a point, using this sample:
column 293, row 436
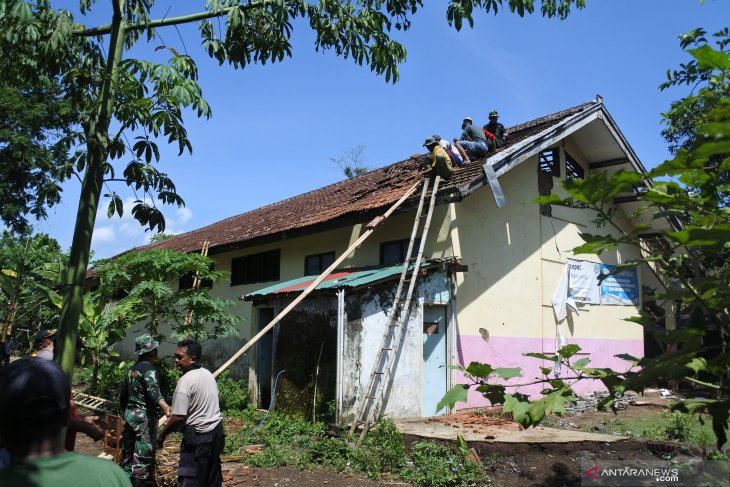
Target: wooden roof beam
column 610, row 162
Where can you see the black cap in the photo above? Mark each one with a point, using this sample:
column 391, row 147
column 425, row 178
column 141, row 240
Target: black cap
column 32, row 387
column 43, row 334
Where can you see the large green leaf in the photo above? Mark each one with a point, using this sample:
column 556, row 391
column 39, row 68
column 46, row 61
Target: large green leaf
column 479, row 370
column 569, row 350
column 709, row 58
column 458, row 393
column 507, row 373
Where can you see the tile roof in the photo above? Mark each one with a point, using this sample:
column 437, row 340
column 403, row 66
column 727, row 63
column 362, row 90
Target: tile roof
column 357, row 197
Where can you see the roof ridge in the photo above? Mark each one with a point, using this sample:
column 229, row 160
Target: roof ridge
column 549, row 117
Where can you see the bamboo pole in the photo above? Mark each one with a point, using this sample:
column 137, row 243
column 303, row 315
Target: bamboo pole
column 196, row 281
column 371, row 227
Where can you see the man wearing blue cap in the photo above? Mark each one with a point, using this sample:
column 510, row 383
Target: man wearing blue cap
column 139, row 400
column 34, row 408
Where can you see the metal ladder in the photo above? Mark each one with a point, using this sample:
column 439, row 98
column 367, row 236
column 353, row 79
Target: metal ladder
column 369, row 408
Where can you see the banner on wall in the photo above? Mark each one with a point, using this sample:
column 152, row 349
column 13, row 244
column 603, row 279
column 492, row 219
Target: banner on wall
column 583, row 281
column 621, row 289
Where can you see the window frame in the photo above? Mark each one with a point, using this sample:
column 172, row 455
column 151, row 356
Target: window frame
column 321, row 266
column 251, row 273
column 554, row 164
column 403, row 243
column 573, row 169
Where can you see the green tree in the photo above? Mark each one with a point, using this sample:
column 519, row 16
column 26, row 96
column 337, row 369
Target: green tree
column 689, row 187
column 708, row 89
column 40, row 81
column 122, row 99
column 154, row 287
column 31, row 268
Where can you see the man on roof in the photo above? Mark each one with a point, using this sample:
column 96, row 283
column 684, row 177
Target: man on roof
column 473, row 140
column 496, row 128
column 440, row 161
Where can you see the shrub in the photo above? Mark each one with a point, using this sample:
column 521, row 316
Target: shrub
column 167, row 376
column 381, row 451
column 111, row 376
column 680, row 427
column 440, row 466
column 330, row 452
column 233, row 393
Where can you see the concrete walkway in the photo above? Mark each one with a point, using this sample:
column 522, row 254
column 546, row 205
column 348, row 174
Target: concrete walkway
column 444, row 428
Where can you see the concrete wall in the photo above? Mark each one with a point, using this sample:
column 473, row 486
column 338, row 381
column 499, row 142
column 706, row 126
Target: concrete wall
column 366, row 320
column 515, row 257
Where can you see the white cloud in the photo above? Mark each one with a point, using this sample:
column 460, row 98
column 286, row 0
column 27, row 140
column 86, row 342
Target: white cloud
column 104, row 236
column 115, row 235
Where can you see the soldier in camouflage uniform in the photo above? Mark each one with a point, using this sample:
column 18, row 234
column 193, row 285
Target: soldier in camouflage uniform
column 139, row 399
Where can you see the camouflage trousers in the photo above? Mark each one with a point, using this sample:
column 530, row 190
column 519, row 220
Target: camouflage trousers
column 138, row 443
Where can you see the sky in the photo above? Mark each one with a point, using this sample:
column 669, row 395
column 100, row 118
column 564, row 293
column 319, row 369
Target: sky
column 276, row 127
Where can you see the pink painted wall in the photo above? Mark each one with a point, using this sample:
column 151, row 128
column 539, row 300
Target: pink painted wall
column 507, row 352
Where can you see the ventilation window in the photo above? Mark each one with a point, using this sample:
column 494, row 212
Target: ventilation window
column 549, row 162
column 315, row 264
column 254, row 268
column 573, row 170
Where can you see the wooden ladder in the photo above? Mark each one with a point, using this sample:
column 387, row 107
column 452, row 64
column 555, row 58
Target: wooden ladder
column 196, row 281
column 370, row 405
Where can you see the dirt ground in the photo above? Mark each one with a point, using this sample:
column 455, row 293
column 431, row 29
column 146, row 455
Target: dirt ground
column 512, row 464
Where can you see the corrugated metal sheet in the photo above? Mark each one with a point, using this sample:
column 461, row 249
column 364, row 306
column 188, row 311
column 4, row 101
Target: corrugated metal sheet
column 345, row 278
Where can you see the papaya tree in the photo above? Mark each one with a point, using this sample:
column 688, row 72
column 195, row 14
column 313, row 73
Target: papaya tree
column 153, row 288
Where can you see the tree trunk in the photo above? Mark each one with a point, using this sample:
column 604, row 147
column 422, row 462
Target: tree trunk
column 97, row 143
column 94, row 372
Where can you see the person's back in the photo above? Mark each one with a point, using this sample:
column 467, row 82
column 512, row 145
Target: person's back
column 34, row 408
column 66, row 469
column 474, row 133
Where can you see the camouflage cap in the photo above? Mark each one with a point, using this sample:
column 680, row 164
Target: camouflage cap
column 493, row 113
column 144, row 343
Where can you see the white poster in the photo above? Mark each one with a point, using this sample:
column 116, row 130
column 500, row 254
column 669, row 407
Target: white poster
column 583, row 281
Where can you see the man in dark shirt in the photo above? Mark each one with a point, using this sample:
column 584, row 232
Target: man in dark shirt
column 473, row 140
column 496, row 128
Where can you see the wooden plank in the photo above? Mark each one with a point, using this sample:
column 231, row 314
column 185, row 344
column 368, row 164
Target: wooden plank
column 608, row 163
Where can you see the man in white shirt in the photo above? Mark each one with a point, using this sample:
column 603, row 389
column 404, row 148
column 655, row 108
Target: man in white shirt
column 44, row 341
column 196, row 411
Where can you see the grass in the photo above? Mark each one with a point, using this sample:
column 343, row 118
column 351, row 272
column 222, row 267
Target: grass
column 680, row 427
column 292, row 440
column 664, row 425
